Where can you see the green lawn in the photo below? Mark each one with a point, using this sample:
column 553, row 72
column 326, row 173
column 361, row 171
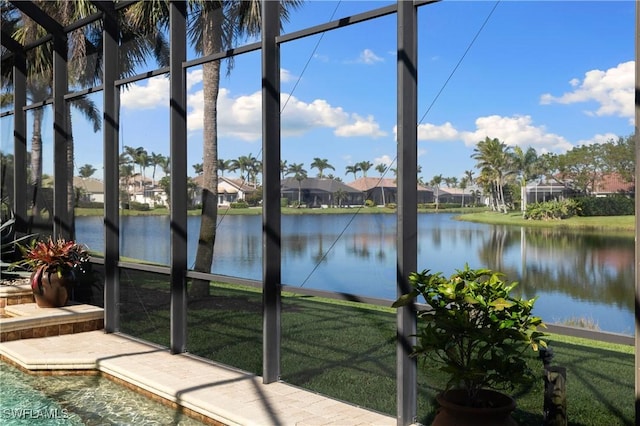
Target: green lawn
column 623, row 224
column 348, row 351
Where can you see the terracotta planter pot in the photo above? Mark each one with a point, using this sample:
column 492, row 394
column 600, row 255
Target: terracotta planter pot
column 50, row 290
column 496, row 411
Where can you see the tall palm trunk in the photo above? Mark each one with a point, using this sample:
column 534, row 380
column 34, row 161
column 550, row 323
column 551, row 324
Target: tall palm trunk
column 523, row 197
column 36, row 159
column 71, row 193
column 211, row 86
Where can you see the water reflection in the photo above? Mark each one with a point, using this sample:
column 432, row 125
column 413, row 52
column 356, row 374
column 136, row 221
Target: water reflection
column 574, row 274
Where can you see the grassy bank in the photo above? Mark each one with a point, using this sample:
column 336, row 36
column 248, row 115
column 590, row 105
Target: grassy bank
column 348, row 351
column 596, row 223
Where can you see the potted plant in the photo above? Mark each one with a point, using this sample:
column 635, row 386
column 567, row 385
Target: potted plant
column 56, row 267
column 478, row 334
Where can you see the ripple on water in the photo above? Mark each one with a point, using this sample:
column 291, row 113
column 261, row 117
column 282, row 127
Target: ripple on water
column 77, row 400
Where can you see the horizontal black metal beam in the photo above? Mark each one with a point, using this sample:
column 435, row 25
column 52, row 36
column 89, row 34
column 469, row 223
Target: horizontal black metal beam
column 10, row 43
column 40, row 17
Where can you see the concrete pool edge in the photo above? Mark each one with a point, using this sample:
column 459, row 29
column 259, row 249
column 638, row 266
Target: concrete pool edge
column 221, row 394
column 27, row 320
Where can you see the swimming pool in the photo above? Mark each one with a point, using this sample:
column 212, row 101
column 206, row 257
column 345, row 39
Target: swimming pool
column 27, row 399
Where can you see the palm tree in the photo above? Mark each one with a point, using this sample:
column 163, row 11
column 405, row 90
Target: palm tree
column 382, row 168
column 143, row 162
column 321, row 164
column 469, row 175
column 137, row 156
column 39, row 89
column 495, row 163
column 126, row 172
column 192, row 187
column 364, row 167
column 299, row 174
column 165, row 165
column 283, row 169
column 526, row 165
column 244, row 163
column 197, row 168
column 224, row 165
column 352, row 169
column 156, row 160
column 84, row 65
column 214, row 27
column 463, row 186
column 340, row 196
column 255, row 168
column 436, row 182
column 86, row 171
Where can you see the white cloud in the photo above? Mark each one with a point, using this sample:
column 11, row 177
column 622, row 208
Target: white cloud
column 598, row 139
column 153, row 94
column 361, row 127
column 385, row 159
column 285, row 75
column 443, row 132
column 194, row 77
column 516, row 131
column 240, row 117
column 612, row 89
column 367, row 56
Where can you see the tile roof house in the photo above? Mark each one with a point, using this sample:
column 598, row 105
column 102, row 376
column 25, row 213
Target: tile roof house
column 385, row 190
column 229, row 190
column 612, row 183
column 318, row 192
column 456, row 195
column 607, row 184
column 89, row 189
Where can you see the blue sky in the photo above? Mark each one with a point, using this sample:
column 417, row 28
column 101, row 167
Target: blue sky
column 546, row 74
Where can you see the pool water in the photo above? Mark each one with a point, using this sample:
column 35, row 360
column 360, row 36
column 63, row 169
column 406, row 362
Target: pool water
column 77, row 400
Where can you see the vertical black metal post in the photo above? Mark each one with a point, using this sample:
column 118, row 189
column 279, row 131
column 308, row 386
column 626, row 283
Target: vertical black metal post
column 110, row 134
column 178, row 149
column 61, row 215
column 20, row 141
column 637, row 203
column 407, row 206
column 271, row 232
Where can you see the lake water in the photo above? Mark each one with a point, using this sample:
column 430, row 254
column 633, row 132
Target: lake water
column 574, row 274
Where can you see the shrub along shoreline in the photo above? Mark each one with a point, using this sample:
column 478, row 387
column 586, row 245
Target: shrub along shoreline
column 620, row 224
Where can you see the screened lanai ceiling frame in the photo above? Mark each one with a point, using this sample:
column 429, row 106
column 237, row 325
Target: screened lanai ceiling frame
column 271, row 40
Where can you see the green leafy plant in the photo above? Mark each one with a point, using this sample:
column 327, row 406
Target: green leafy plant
column 9, row 239
column 62, row 257
column 474, row 328
column 8, row 235
column 553, row 210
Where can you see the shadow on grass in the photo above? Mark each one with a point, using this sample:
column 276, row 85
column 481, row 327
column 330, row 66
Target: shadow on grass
column 349, row 353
